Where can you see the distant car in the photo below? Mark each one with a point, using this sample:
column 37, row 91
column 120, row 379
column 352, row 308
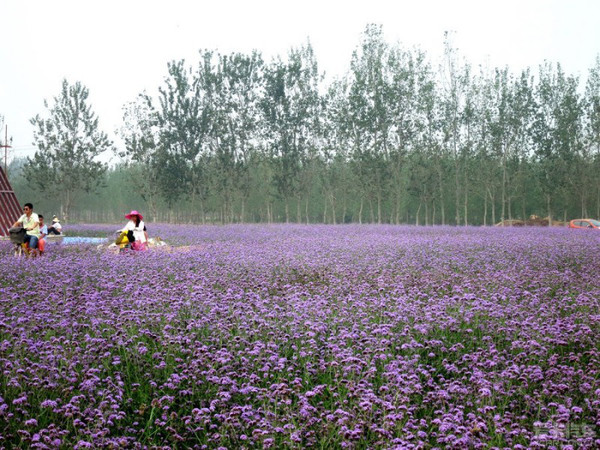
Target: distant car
column 584, row 223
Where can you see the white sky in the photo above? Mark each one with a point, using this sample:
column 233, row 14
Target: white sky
column 118, row 48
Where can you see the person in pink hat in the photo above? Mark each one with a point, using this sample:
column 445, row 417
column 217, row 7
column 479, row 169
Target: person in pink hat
column 136, row 230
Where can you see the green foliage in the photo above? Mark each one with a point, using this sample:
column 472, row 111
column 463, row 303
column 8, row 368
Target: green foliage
column 68, row 141
column 234, row 139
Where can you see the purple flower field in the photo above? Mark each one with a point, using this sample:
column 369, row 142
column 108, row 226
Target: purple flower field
column 305, row 336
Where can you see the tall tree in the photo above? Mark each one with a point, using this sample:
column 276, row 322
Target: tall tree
column 336, row 179
column 291, row 110
column 69, row 142
column 370, row 118
column 591, row 147
column 183, row 120
column 556, row 132
column 409, row 79
column 455, row 80
column 509, row 120
column 234, row 127
column 141, row 136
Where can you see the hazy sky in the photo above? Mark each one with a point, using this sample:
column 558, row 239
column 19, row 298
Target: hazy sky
column 119, row 48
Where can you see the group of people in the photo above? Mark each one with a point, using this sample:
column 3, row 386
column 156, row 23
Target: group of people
column 35, row 229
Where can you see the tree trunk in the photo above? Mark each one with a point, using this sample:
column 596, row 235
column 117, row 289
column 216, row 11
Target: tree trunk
column 417, row 215
column 360, row 210
column 65, row 206
column 306, row 211
column 397, row 212
column 457, row 195
column 548, row 210
column 493, row 199
column 485, row 209
column 503, row 194
column 287, row 210
column 466, row 206
column 333, row 209
column 203, row 218
column 298, row 211
column 441, row 185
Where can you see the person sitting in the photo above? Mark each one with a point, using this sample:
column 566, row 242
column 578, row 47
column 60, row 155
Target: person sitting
column 56, row 227
column 43, row 234
column 31, row 223
column 136, row 231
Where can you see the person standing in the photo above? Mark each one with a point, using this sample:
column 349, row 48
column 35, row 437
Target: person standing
column 31, row 222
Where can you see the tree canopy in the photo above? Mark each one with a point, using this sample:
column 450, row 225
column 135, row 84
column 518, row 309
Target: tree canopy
column 397, row 139
column 69, row 142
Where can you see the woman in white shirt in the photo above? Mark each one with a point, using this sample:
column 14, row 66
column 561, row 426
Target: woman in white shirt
column 136, row 230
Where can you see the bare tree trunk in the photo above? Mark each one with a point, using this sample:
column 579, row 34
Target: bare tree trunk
column 397, row 212
column 503, row 190
column 466, row 206
column 442, row 208
column 203, row 218
column 66, row 203
column 418, row 211
column 306, row 211
column 268, row 213
column 333, row 209
column 298, row 211
column 426, row 213
column 325, row 211
column 360, row 210
column 379, row 207
column 485, row 210
column 287, row 211
column 457, row 195
column 548, row 209
column 493, row 206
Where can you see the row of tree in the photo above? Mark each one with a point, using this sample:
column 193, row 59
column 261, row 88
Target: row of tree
column 235, row 139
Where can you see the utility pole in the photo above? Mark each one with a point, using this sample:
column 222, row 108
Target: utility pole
column 6, row 147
